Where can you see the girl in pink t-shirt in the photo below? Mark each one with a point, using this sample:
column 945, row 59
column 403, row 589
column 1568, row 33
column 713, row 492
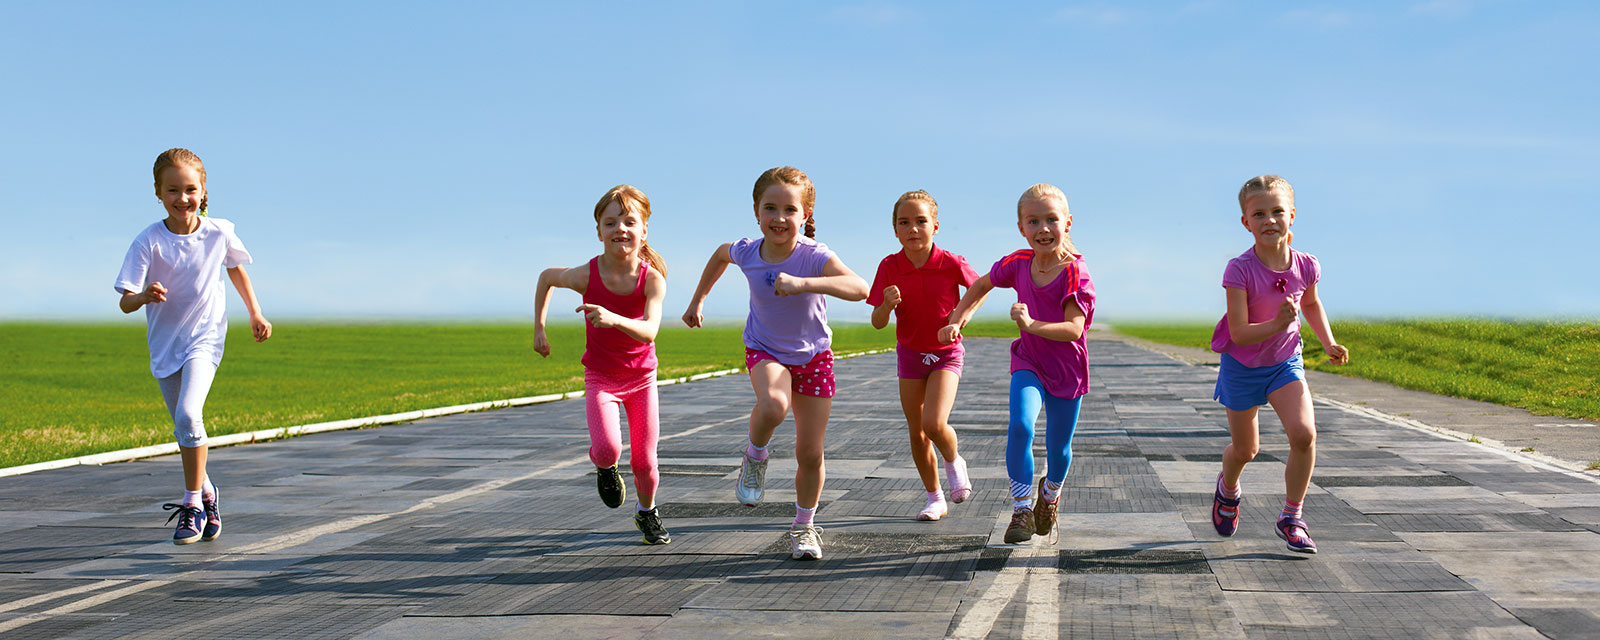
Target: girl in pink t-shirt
column 786, row 339
column 1268, row 287
column 622, row 291
column 921, row 285
column 1049, row 361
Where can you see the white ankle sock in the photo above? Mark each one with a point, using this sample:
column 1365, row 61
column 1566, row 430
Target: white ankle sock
column 803, row 516
column 191, row 498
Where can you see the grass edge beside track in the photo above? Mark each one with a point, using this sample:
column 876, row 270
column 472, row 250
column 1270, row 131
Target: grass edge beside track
column 276, row 433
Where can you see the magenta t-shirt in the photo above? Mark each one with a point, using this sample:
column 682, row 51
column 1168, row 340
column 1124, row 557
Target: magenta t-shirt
column 1063, row 367
column 1264, row 291
column 794, row 329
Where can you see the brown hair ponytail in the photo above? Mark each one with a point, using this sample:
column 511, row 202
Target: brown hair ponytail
column 794, row 178
column 630, row 198
column 181, row 156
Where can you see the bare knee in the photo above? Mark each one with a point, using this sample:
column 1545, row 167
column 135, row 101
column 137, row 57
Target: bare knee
column 1245, row 454
column 808, row 457
column 770, row 410
column 1303, row 439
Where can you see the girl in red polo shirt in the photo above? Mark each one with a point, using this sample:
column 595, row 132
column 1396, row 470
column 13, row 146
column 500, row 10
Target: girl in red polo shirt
column 622, row 292
column 920, row 285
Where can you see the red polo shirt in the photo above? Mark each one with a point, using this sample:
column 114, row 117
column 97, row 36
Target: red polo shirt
column 927, row 295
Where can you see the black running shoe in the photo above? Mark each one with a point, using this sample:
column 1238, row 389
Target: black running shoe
column 609, row 482
column 650, row 523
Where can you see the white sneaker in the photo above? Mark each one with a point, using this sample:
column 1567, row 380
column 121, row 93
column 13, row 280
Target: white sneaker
column 956, row 474
column 805, row 543
column 752, row 475
column 935, row 509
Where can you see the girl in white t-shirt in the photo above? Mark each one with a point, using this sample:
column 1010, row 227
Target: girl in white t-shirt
column 174, row 270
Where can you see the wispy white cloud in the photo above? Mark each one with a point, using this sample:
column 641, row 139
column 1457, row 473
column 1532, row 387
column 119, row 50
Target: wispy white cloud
column 1097, row 15
column 876, row 14
column 1324, row 17
column 1442, row 8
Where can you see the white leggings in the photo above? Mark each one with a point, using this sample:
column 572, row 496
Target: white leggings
column 185, row 393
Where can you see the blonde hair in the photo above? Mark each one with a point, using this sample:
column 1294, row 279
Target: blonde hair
column 919, row 195
column 794, row 178
column 631, row 199
column 1262, row 184
column 180, row 156
column 1042, row 192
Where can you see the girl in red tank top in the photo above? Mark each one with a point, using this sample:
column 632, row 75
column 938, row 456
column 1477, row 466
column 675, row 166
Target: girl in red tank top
column 622, row 291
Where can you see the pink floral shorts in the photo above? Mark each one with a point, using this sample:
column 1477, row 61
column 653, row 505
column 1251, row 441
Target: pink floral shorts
column 814, row 378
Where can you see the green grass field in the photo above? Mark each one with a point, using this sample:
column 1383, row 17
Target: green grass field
column 73, row 390
column 1548, row 368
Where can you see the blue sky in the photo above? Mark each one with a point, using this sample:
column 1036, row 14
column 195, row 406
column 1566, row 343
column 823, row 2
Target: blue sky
column 424, row 160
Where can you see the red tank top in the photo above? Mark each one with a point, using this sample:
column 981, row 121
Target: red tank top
column 611, row 350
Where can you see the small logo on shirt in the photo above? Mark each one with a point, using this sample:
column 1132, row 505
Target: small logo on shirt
column 772, row 278
column 1281, row 285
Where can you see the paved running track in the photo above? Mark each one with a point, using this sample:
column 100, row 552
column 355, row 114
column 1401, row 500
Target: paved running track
column 487, row 525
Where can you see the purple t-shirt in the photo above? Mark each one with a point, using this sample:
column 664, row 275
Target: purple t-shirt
column 794, row 329
column 1063, row 367
column 1264, row 290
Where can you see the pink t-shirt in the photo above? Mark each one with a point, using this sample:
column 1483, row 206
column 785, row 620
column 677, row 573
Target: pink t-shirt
column 1063, row 367
column 927, row 295
column 1264, row 290
column 610, row 350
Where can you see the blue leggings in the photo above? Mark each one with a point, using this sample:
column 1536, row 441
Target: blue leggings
column 1060, row 420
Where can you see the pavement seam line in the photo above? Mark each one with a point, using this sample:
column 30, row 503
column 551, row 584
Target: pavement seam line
column 53, row 595
column 251, row 437
column 80, row 605
column 293, row 539
column 1541, row 461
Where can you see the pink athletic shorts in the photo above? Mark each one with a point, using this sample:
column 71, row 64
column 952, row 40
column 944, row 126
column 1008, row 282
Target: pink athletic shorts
column 916, row 365
column 813, row 378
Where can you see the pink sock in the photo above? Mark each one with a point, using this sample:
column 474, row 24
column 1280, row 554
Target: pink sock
column 1231, row 493
column 1291, row 509
column 803, row 516
column 755, row 452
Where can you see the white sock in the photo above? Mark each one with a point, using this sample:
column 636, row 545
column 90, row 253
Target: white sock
column 1022, row 503
column 208, row 490
column 803, row 516
column 936, row 496
column 1052, row 491
column 191, row 498
column 639, row 507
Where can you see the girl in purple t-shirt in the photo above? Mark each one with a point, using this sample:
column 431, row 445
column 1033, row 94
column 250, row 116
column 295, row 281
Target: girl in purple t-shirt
column 1268, row 286
column 786, row 338
column 1049, row 362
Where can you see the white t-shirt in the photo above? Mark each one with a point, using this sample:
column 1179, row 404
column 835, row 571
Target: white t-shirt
column 193, row 322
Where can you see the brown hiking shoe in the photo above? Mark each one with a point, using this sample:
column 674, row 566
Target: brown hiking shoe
column 1044, row 513
column 1021, row 527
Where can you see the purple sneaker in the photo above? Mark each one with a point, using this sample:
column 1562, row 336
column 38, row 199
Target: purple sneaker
column 1293, row 531
column 213, row 526
column 1225, row 513
column 189, row 519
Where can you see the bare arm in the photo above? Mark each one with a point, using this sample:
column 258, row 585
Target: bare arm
column 962, row 314
column 1242, row 331
column 576, row 279
column 153, row 292
column 1318, row 319
column 642, row 329
column 259, row 327
column 836, row 280
column 880, row 313
column 1067, row 330
column 720, row 259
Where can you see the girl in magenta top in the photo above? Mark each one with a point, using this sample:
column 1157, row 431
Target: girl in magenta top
column 921, row 285
column 622, row 290
column 786, row 338
column 1259, row 339
column 1049, row 361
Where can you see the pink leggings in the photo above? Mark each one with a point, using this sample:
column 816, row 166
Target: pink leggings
column 635, row 392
